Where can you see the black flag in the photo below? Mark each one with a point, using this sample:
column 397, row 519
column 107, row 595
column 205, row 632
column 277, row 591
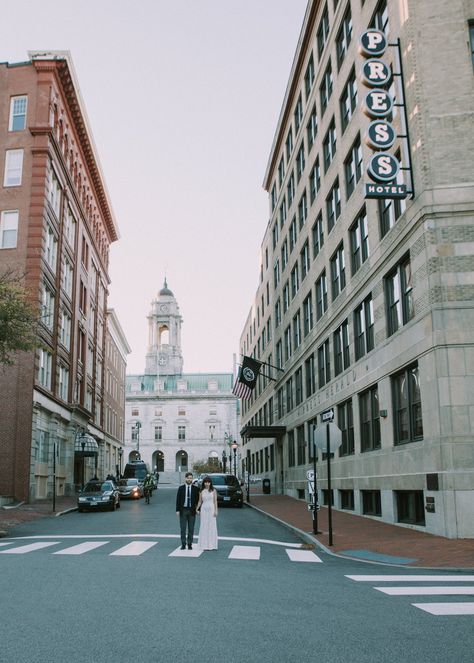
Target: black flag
column 247, row 378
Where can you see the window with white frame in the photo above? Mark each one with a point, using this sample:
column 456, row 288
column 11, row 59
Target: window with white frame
column 65, row 329
column 338, row 271
column 312, row 128
column 18, row 108
column 305, row 260
column 277, row 312
column 47, row 306
column 50, row 247
column 314, row 181
column 181, row 432
column 399, row 296
column 333, row 205
column 8, row 229
column 325, row 89
column 321, row 295
column 67, row 277
column 344, row 37
column 295, row 281
column 291, row 189
column 13, row 168
column 44, row 369
column 359, row 240
column 273, row 196
column 287, row 341
column 309, row 77
column 302, row 209
column 323, row 31
column 283, row 212
column 286, row 297
column 353, row 167
column 70, row 225
column 284, row 254
column 293, row 234
column 297, row 330
column 341, row 348
column 300, row 162
column 298, row 114
column 54, row 191
column 308, row 314
column 364, row 328
column 324, row 364
column 276, row 274
column 318, row 235
column 348, row 100
column 281, row 171
column 289, row 144
column 63, row 384
column 329, row 145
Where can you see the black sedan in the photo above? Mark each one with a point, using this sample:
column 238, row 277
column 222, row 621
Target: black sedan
column 98, row 495
column 229, row 490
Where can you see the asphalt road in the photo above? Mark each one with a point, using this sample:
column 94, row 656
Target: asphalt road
column 127, row 594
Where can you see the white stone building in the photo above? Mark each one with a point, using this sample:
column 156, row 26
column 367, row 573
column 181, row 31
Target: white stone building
column 175, row 419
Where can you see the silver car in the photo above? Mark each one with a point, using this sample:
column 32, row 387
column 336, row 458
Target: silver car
column 130, row 489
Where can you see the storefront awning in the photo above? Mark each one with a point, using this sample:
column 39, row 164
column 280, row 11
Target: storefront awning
column 263, row 431
column 85, row 445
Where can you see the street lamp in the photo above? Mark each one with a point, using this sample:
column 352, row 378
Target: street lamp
column 83, row 444
column 137, row 432
column 234, row 446
column 224, row 462
column 120, row 452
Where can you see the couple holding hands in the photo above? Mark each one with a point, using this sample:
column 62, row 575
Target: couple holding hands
column 189, row 501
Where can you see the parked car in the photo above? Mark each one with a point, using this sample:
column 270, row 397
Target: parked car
column 197, row 481
column 130, row 489
column 98, row 495
column 229, row 489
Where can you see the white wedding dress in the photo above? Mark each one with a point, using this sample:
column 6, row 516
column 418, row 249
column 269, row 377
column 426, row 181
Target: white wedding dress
column 207, row 539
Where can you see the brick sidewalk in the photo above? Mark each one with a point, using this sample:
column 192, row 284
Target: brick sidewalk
column 370, row 539
column 13, row 516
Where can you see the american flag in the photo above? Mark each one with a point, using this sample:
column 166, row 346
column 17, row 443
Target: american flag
column 246, row 378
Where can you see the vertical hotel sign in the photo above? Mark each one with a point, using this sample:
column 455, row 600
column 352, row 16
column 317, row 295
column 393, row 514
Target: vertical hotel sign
column 378, row 105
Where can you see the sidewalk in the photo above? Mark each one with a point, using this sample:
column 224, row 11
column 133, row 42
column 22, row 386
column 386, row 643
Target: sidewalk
column 14, row 515
column 369, row 539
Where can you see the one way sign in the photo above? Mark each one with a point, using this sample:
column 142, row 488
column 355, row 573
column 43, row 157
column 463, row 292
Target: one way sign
column 328, row 415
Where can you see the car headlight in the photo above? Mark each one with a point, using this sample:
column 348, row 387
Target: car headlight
column 238, row 492
column 83, row 499
column 106, row 497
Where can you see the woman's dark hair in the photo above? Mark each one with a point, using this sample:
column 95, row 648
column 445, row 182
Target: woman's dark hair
column 211, row 487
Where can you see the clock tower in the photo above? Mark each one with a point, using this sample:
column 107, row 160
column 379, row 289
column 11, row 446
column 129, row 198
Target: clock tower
column 164, row 356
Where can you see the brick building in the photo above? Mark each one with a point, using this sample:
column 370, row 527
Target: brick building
column 56, row 226
column 366, row 305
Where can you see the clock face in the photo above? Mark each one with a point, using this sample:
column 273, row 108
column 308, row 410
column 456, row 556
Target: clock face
column 164, row 308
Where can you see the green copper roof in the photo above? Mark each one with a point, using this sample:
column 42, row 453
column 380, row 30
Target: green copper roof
column 195, row 382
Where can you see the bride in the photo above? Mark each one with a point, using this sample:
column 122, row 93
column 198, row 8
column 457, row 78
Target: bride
column 207, row 507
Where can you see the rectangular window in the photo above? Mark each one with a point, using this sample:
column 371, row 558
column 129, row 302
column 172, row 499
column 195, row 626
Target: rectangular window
column 63, row 385
column 346, row 498
column 359, row 240
column 44, row 370
column 353, row 167
column 380, row 18
column 390, row 210
column 287, row 340
column 304, row 260
column 289, row 394
column 348, row 100
column 311, row 425
column 301, row 446
column 310, row 376
column 410, row 507
column 158, row 433
column 407, row 406
column 8, row 229
column 318, row 235
column 279, row 354
column 298, row 114
column 181, row 432
column 308, row 314
column 18, row 106
column 283, row 212
column 290, row 189
column 324, row 364
column 312, row 128
column 399, row 296
column 54, row 191
column 371, row 503
column 345, row 421
column 275, row 234
column 293, row 234
column 300, row 162
column 291, row 448
column 277, row 312
column 338, row 271
column 286, row 297
column 281, row 171
column 13, row 168
column 297, row 330
column 341, row 348
column 67, row 277
column 323, row 31
column 50, row 247
column 325, row 89
column 369, row 419
column 364, row 328
column 276, row 274
column 333, row 205
column 329, row 145
column 302, row 210
column 273, row 197
column 314, row 181
column 344, row 37
column 321, row 295
column 47, row 306
column 299, row 386
column 289, row 145
column 309, row 77
column 65, row 329
column 284, row 254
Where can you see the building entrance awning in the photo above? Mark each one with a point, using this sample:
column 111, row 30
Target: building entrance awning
column 263, row 431
column 85, row 445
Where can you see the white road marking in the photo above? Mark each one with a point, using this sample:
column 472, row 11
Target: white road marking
column 81, row 548
column 195, row 552
column 5, row 543
column 414, row 578
column 303, row 556
column 29, row 548
column 135, row 548
column 446, row 608
column 245, row 552
column 426, row 591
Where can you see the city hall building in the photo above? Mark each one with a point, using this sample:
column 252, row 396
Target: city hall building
column 61, row 421
column 365, row 302
column 175, row 419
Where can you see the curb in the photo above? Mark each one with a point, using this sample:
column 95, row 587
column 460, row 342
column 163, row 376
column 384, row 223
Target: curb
column 309, row 538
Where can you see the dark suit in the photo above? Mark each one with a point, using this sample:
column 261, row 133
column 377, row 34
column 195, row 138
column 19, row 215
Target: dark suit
column 187, row 515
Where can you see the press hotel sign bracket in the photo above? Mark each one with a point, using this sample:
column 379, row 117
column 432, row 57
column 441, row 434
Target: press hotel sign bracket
column 378, row 104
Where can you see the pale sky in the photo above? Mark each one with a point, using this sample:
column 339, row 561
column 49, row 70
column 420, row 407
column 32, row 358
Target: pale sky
column 183, row 98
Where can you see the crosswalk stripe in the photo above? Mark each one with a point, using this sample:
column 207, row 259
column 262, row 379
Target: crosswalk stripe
column 195, row 552
column 303, row 556
column 5, row 543
column 81, row 548
column 426, row 591
column 245, row 552
column 29, row 548
column 413, row 578
column 446, row 608
column 134, row 548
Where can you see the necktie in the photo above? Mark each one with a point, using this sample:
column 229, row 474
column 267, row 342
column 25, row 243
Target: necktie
column 188, row 497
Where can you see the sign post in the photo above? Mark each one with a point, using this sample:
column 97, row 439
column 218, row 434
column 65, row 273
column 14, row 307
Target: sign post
column 329, row 441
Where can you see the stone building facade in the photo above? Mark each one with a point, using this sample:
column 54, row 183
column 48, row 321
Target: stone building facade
column 56, row 226
column 176, row 419
column 366, row 305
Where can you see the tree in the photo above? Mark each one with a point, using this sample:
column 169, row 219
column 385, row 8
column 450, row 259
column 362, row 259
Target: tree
column 18, row 318
column 206, row 467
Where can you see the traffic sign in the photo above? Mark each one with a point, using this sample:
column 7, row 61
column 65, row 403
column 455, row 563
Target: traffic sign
column 335, row 438
column 327, row 415
column 310, row 475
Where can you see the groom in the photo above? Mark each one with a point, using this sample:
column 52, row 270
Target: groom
column 187, row 498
